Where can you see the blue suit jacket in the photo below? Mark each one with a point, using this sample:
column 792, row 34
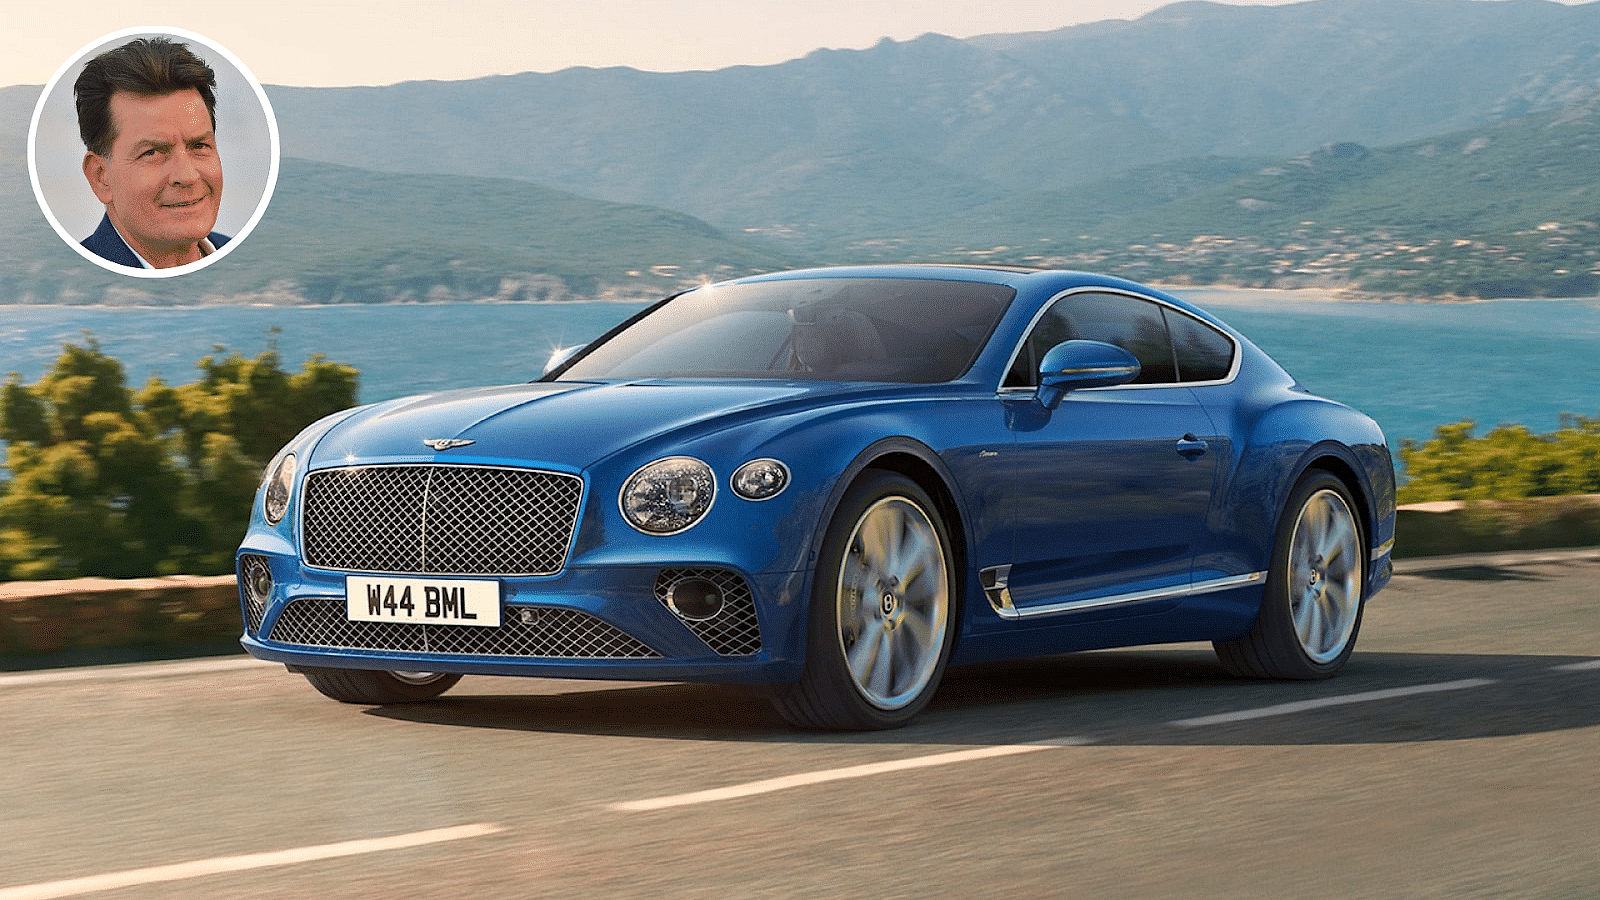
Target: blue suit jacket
column 107, row 244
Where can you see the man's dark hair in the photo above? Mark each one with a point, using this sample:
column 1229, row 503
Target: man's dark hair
column 149, row 67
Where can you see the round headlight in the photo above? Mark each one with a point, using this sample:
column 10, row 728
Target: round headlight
column 280, row 482
column 668, row 495
column 760, row 479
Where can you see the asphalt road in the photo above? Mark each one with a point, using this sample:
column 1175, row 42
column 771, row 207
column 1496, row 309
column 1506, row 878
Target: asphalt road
column 1456, row 757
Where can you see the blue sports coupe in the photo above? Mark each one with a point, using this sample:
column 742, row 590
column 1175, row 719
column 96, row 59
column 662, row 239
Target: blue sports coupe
column 833, row 483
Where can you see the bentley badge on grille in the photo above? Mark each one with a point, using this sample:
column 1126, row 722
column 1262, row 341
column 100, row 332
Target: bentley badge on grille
column 446, row 443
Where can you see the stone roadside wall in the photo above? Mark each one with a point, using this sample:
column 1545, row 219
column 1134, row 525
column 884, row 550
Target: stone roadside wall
column 1494, row 526
column 91, row 620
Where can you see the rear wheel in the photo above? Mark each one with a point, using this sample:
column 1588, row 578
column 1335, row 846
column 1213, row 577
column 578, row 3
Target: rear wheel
column 379, row 687
column 1311, row 608
column 882, row 611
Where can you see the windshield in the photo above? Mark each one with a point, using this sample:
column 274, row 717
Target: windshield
column 846, row 329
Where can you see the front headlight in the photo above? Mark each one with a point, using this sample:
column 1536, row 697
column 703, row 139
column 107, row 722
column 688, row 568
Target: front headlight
column 280, row 482
column 668, row 495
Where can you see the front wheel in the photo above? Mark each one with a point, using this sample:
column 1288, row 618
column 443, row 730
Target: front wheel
column 882, row 613
column 1311, row 607
column 378, row 687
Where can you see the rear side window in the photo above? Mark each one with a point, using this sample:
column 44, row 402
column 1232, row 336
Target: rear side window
column 1204, row 353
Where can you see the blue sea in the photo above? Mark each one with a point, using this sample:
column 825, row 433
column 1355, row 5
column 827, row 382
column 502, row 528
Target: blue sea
column 1412, row 366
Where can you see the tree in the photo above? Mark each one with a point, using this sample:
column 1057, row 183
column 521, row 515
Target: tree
column 108, row 482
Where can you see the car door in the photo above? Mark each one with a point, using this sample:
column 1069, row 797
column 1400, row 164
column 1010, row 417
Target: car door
column 1110, row 490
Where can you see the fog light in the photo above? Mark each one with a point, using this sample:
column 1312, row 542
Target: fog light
column 255, row 583
column 695, row 599
column 257, row 579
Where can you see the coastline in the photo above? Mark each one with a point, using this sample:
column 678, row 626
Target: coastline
column 1219, row 294
column 1338, row 348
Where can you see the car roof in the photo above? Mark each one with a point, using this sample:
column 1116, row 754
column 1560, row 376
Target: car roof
column 1031, row 279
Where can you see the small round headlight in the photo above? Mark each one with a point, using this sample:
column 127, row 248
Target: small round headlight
column 280, row 482
column 760, row 479
column 668, row 495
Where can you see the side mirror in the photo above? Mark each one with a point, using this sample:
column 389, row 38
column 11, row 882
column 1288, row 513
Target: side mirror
column 1075, row 365
column 559, row 357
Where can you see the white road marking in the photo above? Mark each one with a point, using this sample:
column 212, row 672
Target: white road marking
column 73, row 887
column 132, row 670
column 712, row 795
column 1285, row 709
column 803, row 779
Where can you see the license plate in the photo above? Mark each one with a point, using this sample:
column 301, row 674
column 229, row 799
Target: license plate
column 440, row 601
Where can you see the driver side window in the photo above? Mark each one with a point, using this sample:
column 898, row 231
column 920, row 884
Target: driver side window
column 1135, row 325
column 1049, row 331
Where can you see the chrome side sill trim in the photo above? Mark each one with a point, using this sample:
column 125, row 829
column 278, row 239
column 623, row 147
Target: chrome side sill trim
column 1188, row 590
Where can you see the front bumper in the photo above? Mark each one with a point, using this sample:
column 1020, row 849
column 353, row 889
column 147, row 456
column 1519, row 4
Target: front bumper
column 609, row 622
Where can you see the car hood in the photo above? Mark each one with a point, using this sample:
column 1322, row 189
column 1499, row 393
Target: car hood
column 569, row 425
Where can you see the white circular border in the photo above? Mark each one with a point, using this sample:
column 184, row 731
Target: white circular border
column 235, row 240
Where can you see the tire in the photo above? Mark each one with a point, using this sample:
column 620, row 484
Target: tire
column 376, row 687
column 882, row 616
column 1311, row 606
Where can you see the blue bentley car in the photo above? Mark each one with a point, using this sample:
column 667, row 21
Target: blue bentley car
column 834, row 483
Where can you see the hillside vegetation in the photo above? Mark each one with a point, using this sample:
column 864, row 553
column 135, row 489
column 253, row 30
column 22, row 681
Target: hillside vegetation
column 1511, row 209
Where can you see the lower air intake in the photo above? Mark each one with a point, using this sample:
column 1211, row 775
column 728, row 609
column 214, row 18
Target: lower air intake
column 533, row 631
column 735, row 630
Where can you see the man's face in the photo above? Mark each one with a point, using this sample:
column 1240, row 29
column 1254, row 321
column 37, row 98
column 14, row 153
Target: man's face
column 162, row 181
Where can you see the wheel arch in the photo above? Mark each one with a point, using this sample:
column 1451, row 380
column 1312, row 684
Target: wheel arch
column 1346, row 473
column 1350, row 447
column 918, row 462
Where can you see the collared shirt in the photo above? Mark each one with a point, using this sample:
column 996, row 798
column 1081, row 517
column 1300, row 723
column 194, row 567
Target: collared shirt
column 205, row 249
column 108, row 244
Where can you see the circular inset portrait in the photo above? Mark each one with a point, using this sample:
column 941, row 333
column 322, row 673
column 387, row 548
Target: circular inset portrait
column 153, row 152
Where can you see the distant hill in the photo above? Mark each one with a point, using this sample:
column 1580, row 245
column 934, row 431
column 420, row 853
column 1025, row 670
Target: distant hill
column 1508, row 209
column 1307, row 143
column 334, row 234
column 1002, row 113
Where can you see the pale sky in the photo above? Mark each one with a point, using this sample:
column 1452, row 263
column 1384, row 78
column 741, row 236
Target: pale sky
column 346, row 42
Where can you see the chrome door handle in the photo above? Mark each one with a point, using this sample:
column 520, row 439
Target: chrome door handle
column 1190, row 447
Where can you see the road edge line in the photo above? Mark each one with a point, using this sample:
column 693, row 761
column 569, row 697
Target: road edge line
column 72, row 887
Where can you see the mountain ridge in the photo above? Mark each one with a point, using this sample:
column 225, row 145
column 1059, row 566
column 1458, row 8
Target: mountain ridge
column 933, row 147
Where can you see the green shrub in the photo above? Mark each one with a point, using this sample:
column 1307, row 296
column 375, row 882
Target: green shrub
column 1508, row 463
column 109, row 482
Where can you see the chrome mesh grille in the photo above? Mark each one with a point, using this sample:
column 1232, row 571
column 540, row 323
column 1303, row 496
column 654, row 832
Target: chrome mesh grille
column 440, row 520
column 530, row 631
column 735, row 630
